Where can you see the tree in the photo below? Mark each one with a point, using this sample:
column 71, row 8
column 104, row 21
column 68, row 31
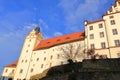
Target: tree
column 72, row 52
column 91, row 54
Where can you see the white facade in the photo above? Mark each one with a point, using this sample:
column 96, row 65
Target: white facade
column 32, row 62
column 103, row 35
column 9, row 72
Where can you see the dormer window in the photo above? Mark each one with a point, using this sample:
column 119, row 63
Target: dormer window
column 48, row 42
column 58, row 40
column 67, row 37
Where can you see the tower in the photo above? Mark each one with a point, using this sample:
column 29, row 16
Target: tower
column 103, row 35
column 31, row 41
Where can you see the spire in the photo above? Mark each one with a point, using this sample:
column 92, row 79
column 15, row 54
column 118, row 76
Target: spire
column 37, row 29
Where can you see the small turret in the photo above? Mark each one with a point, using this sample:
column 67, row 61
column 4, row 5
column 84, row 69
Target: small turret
column 37, row 29
column 85, row 22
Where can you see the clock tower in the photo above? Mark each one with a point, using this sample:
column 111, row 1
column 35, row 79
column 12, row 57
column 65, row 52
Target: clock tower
column 31, row 41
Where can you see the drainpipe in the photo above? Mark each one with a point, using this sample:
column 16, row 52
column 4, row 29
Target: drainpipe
column 107, row 39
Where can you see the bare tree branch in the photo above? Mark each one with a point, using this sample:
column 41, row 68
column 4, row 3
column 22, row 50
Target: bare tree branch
column 72, row 51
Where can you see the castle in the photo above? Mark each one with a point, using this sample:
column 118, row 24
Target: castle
column 37, row 54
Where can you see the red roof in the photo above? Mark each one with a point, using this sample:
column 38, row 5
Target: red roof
column 60, row 40
column 13, row 65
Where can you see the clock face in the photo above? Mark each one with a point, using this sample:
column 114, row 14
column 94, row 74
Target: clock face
column 37, row 29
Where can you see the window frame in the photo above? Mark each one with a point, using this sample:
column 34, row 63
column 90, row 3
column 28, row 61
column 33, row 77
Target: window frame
column 91, row 36
column 114, row 31
column 112, row 22
column 31, row 70
column 100, row 25
column 6, row 70
column 21, row 71
column 103, row 45
column 101, row 34
column 90, row 27
column 117, row 43
column 92, row 46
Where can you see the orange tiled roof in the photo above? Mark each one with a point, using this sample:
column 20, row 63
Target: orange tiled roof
column 13, row 65
column 60, row 40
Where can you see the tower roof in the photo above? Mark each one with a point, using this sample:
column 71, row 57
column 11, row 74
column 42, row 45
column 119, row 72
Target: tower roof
column 60, row 40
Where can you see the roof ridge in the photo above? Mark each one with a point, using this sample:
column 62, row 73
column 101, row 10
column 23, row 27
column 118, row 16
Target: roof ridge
column 60, row 40
column 63, row 35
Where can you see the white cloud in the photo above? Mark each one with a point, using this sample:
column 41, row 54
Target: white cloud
column 43, row 24
column 76, row 11
column 58, row 34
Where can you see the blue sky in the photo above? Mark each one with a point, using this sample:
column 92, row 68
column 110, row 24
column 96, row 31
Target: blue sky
column 55, row 17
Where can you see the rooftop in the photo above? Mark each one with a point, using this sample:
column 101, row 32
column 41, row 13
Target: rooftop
column 60, row 40
column 13, row 65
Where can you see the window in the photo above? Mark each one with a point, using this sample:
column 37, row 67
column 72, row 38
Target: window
column 25, row 60
column 50, row 64
column 118, row 55
column 112, row 22
column 91, row 36
column 33, row 65
column 61, row 62
column 30, row 40
column 117, row 43
column 6, row 70
column 28, row 45
column 58, row 56
column 91, row 27
column 92, row 46
column 114, row 31
column 41, row 65
column 101, row 34
column 26, row 50
column 13, row 71
column 44, row 58
column 21, row 70
column 31, row 70
column 37, row 59
column 103, row 45
column 31, row 60
column 100, row 25
column 22, row 61
column 103, row 56
column 51, row 57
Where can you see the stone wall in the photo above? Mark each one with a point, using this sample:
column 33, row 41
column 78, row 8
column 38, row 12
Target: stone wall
column 100, row 69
